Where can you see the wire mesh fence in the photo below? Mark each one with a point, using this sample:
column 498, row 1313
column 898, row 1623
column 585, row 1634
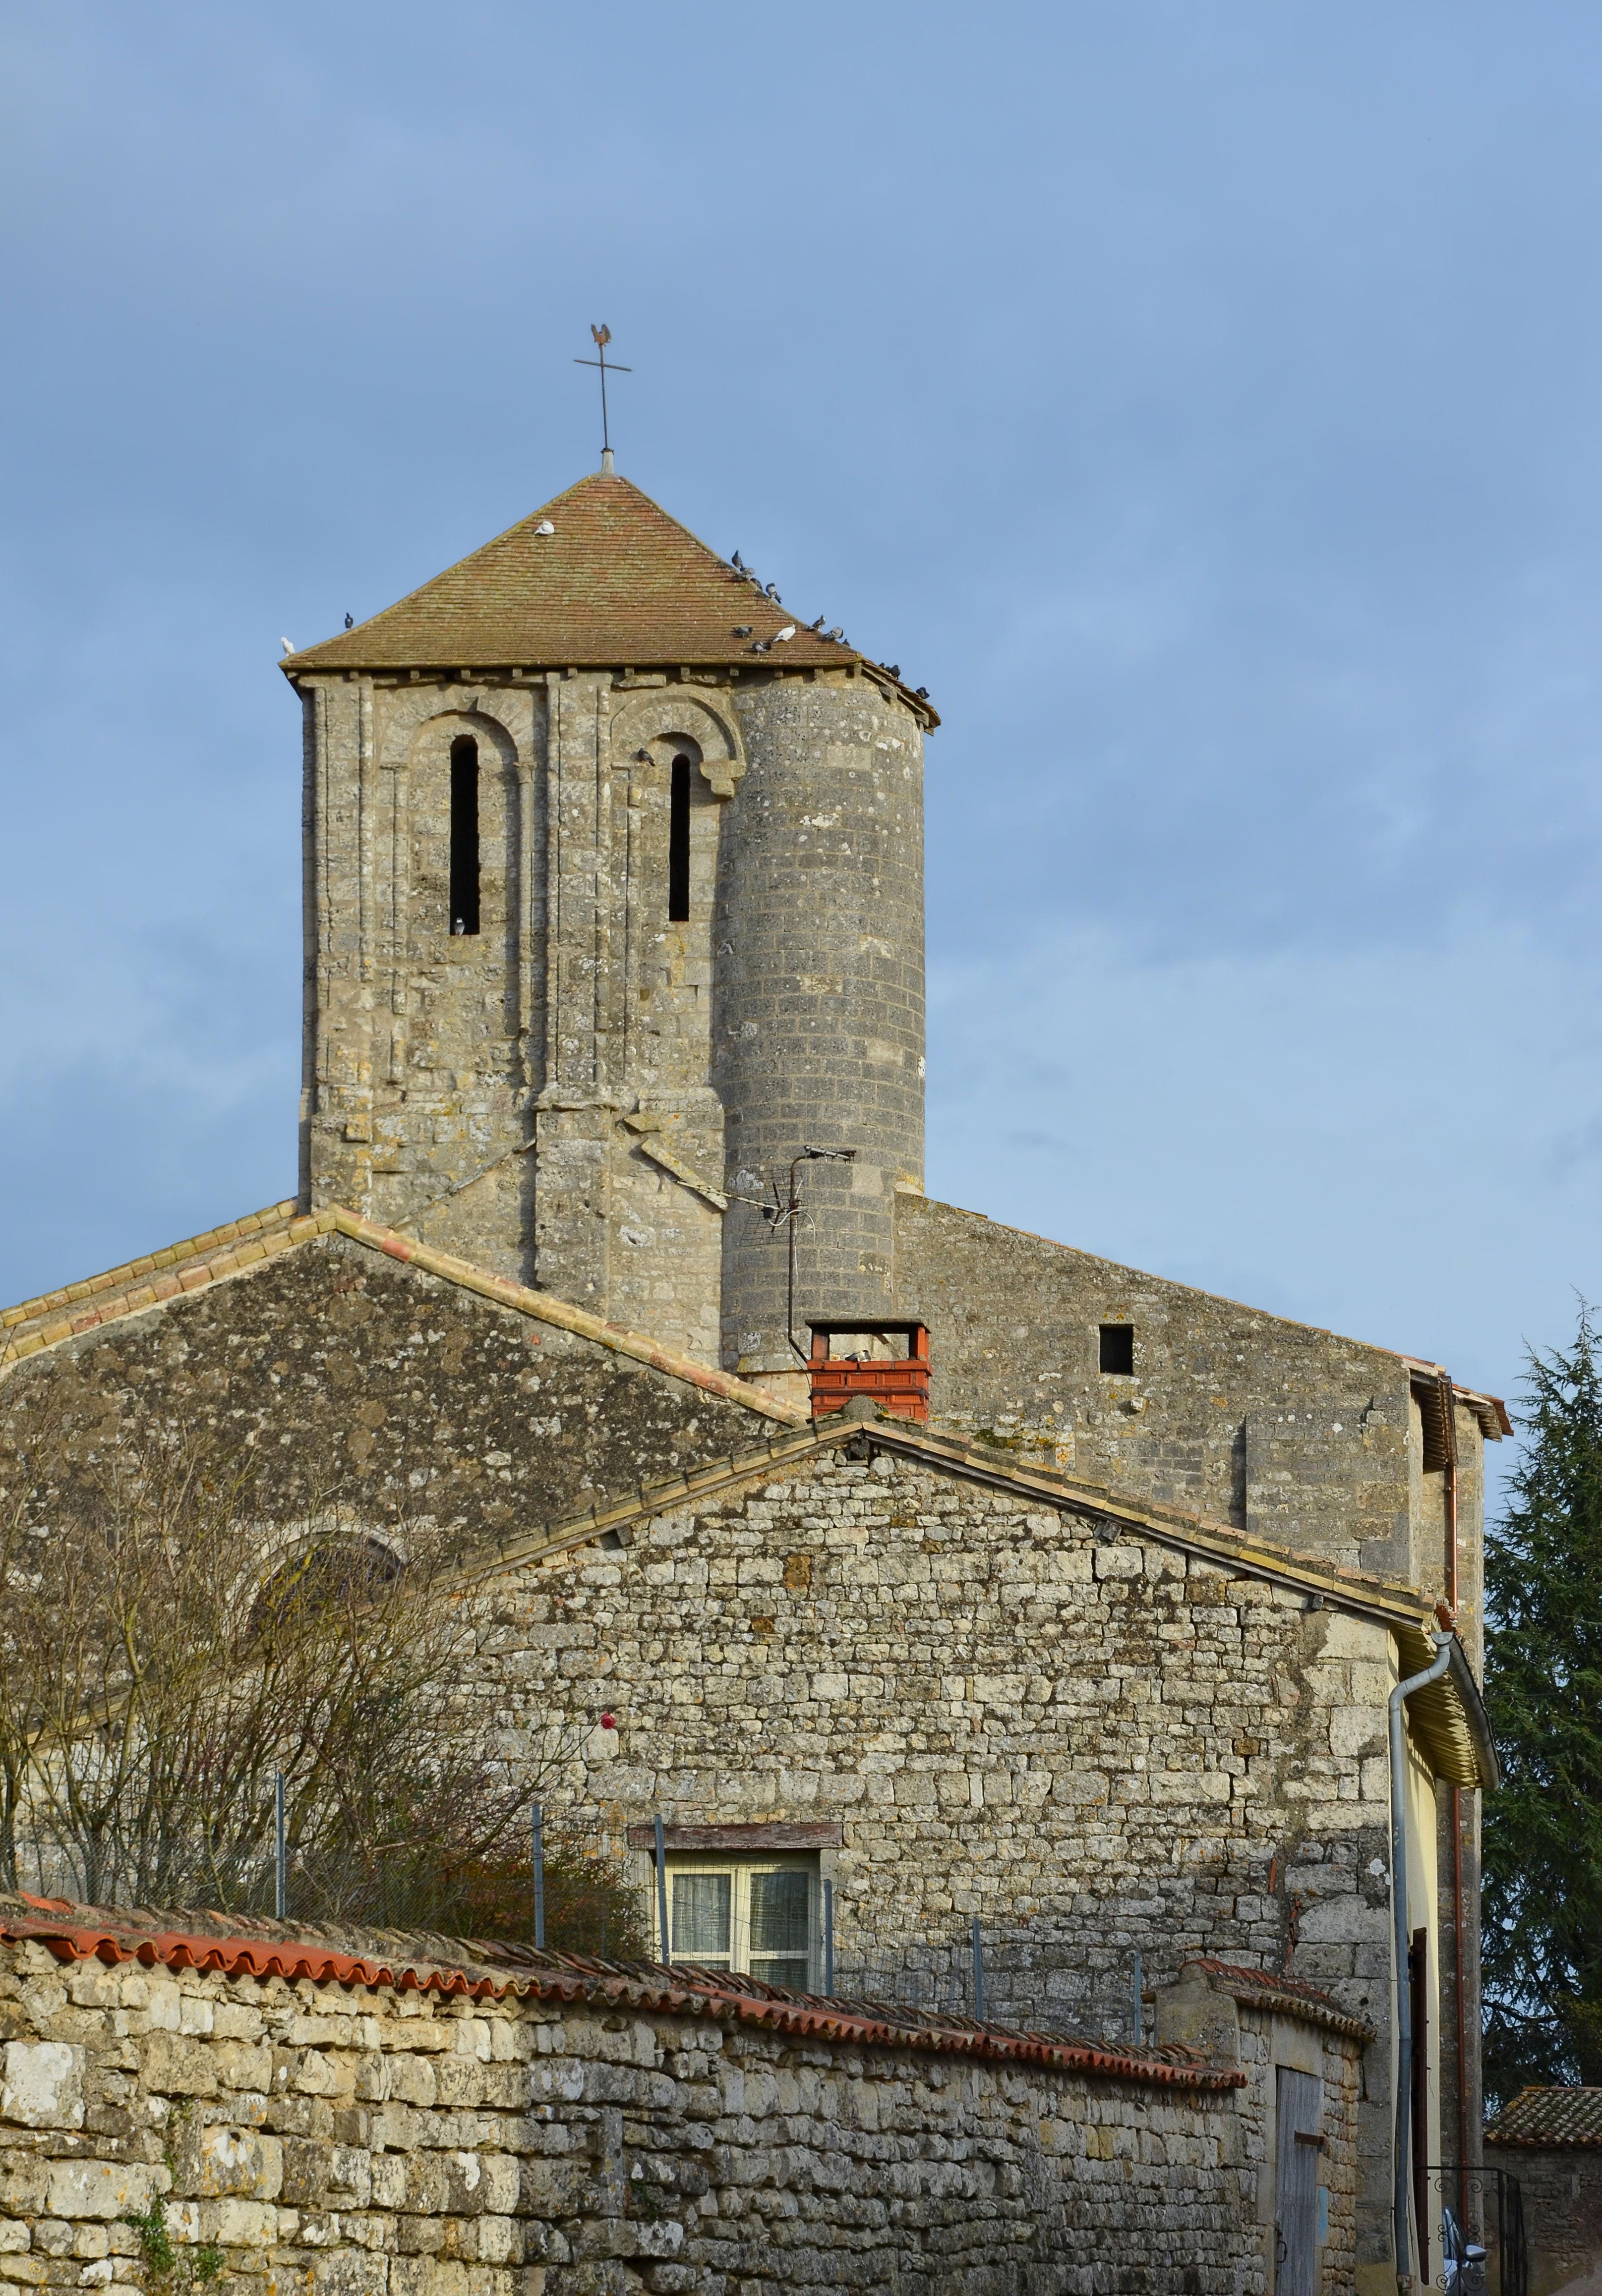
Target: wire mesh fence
column 554, row 1879
column 987, row 1975
column 558, row 1883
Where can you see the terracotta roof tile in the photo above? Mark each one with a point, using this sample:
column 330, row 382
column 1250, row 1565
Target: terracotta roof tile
column 1288, row 1996
column 1549, row 2116
column 470, row 1968
column 619, row 583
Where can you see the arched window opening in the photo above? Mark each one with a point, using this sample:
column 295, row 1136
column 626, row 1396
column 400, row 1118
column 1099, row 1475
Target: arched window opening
column 679, row 844
column 328, row 1576
column 465, row 835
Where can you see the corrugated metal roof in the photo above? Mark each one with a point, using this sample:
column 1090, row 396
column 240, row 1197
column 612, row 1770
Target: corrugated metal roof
column 1549, row 2116
column 487, row 1971
column 1448, row 1718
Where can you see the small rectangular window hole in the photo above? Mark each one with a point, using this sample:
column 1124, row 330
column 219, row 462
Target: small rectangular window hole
column 1118, row 1348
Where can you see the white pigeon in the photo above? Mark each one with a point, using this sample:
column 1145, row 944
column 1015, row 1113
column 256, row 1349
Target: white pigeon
column 788, row 631
column 284, row 647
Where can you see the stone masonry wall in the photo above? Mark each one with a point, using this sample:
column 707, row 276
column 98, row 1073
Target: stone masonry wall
column 1094, row 1747
column 353, row 2138
column 1097, row 1747
column 472, row 1086
column 1306, row 1439
column 356, row 1381
column 1560, row 2186
column 421, row 1047
column 819, row 1036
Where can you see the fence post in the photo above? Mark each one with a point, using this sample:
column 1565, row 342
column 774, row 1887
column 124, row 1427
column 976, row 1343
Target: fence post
column 538, row 1879
column 828, row 1937
column 978, row 1976
column 280, row 1860
column 661, row 1890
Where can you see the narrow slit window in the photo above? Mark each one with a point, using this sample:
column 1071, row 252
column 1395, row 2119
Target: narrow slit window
column 465, row 835
column 679, row 844
column 1117, row 1350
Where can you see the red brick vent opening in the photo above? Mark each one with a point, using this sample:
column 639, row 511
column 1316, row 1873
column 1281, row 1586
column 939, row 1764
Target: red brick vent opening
column 887, row 1361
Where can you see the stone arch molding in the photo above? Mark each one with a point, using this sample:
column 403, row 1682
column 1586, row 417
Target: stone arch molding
column 685, row 717
column 463, row 717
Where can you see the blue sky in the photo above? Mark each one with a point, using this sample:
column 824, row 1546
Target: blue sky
column 1203, row 403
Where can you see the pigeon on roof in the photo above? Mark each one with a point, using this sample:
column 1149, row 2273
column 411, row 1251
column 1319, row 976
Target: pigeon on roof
column 617, row 582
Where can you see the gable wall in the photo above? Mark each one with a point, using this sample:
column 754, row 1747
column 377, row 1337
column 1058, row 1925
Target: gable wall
column 1297, row 1435
column 1096, row 1748
column 355, row 1379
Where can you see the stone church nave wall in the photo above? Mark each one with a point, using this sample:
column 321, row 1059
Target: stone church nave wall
column 356, row 1382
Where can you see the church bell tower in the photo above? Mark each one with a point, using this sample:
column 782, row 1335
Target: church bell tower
column 613, row 910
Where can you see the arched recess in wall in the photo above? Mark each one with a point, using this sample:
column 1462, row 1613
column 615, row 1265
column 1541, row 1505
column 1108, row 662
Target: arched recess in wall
column 672, row 753
column 323, row 1576
column 467, row 860
column 647, row 720
column 440, row 748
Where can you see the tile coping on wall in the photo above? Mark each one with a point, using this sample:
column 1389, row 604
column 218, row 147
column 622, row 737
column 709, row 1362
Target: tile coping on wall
column 1286, row 1996
column 485, row 1970
column 1548, row 2116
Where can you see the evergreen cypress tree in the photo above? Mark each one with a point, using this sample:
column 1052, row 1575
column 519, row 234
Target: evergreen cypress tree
column 1542, row 1936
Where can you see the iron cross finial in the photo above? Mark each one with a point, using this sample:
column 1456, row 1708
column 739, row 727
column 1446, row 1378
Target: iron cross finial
column 603, row 336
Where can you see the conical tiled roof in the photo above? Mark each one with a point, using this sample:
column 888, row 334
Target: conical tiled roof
column 617, row 582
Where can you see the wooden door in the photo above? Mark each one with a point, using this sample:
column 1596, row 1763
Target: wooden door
column 1301, row 2149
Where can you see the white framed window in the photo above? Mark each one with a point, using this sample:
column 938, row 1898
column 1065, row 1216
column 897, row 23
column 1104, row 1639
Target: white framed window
column 755, row 1914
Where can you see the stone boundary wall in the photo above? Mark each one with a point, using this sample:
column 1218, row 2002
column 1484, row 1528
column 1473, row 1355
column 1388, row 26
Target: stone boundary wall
column 1560, row 2185
column 291, row 2118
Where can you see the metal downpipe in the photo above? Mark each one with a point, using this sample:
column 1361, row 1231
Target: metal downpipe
column 1399, row 1914
column 1448, row 1408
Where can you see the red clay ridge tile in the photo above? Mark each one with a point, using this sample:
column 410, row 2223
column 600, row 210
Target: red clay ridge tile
column 111, row 1937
